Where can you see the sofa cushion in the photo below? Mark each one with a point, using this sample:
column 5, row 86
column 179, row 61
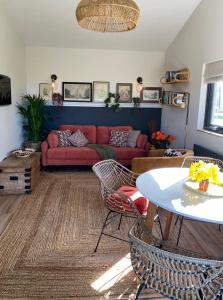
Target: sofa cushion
column 88, row 130
column 78, row 139
column 104, row 132
column 128, row 153
column 63, row 136
column 132, row 138
column 53, row 140
column 72, row 153
column 118, row 138
column 141, row 141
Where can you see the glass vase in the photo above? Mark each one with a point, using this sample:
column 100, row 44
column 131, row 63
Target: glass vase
column 203, row 185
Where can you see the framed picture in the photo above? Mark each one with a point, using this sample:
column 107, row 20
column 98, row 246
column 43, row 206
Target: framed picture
column 45, row 91
column 124, row 90
column 151, row 94
column 101, row 90
column 77, row 91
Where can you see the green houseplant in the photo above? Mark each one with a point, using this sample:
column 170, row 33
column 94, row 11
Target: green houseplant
column 113, row 102
column 32, row 110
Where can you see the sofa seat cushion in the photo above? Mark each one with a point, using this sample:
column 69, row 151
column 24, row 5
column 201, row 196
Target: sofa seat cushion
column 132, row 192
column 128, row 153
column 73, row 153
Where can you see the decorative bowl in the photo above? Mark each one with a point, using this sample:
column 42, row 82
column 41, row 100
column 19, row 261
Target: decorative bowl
column 22, row 153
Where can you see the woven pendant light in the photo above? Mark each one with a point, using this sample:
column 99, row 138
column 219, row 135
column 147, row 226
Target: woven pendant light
column 107, row 15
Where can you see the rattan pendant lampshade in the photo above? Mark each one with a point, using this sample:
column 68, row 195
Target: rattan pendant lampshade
column 107, row 15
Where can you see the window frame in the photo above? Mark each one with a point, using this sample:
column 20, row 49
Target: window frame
column 208, row 111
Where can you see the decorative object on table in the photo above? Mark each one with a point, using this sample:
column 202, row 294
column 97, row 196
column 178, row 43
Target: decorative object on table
column 136, row 102
column 204, row 174
column 77, row 91
column 45, row 91
column 151, row 94
column 113, row 102
column 22, row 153
column 162, row 141
column 178, row 76
column 173, row 153
column 124, row 90
column 18, row 176
column 101, row 90
column 107, row 15
column 57, row 99
column 33, row 111
column 139, row 85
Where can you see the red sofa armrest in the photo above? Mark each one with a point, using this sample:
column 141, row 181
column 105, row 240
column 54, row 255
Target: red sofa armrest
column 44, row 148
column 53, row 140
column 142, row 141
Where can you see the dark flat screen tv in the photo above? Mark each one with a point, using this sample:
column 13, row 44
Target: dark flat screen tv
column 5, row 90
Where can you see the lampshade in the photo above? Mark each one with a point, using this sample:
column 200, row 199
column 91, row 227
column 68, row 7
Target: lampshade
column 107, row 15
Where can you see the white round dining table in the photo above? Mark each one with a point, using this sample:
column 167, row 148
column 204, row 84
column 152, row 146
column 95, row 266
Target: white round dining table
column 166, row 188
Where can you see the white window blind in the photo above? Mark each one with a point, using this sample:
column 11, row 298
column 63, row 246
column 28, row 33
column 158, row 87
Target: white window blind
column 213, row 71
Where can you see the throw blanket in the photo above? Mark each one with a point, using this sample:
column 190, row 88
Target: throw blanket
column 104, row 151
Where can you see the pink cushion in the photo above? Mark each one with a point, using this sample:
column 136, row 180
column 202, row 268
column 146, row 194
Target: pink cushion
column 53, row 140
column 72, row 153
column 88, row 130
column 128, row 153
column 141, row 141
column 104, row 132
column 139, row 200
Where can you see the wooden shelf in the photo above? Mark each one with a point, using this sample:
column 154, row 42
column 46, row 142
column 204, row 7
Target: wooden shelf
column 178, row 76
column 175, row 99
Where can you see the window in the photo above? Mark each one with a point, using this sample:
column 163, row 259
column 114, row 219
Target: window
column 213, row 76
column 214, row 107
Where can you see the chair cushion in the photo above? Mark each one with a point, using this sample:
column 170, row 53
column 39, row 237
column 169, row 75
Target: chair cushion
column 78, row 139
column 118, row 138
column 139, row 200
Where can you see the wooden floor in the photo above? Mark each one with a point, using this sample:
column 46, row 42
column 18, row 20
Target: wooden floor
column 47, row 241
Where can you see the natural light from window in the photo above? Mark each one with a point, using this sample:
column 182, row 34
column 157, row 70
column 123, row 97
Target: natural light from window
column 217, row 108
column 113, row 275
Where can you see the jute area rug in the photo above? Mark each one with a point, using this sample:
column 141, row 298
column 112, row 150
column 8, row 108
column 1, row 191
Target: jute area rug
column 46, row 251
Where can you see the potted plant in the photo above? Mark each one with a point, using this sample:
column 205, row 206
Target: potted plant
column 113, row 102
column 32, row 110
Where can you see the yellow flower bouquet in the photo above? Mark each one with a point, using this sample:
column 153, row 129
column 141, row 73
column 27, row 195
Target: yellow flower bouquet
column 204, row 173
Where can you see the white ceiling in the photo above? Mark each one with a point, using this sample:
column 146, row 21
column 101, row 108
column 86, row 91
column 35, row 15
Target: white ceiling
column 52, row 23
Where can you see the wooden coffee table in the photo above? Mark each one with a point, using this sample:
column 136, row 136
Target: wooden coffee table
column 19, row 175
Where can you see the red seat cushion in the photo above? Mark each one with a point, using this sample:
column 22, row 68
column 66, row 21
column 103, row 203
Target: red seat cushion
column 138, row 199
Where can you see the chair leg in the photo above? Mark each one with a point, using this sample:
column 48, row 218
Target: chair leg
column 103, row 227
column 177, row 220
column 160, row 226
column 219, row 227
column 140, row 289
column 181, row 223
column 120, row 221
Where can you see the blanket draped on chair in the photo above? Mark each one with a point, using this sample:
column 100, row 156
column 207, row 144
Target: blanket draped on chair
column 104, row 151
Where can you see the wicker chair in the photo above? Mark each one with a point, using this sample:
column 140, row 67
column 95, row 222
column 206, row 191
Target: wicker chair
column 112, row 176
column 174, row 273
column 186, row 164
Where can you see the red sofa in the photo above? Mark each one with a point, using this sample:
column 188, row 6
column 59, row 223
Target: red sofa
column 52, row 155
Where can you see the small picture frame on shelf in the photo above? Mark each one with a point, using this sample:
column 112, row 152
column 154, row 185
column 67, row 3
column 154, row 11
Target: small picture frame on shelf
column 124, row 90
column 151, row 95
column 101, row 90
column 45, row 91
column 77, row 91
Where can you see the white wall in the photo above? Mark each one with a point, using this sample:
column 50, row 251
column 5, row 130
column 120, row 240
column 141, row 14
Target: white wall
column 92, row 65
column 199, row 42
column 12, row 64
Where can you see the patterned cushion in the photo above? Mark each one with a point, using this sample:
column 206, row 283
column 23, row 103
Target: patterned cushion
column 132, row 138
column 78, row 139
column 118, row 138
column 173, row 153
column 63, row 138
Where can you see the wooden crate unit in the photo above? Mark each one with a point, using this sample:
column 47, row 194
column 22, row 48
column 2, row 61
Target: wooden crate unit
column 19, row 175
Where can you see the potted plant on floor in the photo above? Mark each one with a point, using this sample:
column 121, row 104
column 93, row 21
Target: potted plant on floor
column 32, row 110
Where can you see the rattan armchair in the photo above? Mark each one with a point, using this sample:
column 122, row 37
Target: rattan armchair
column 174, row 273
column 186, row 164
column 112, row 175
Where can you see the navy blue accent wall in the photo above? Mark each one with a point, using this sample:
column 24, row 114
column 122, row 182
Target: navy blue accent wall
column 71, row 115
